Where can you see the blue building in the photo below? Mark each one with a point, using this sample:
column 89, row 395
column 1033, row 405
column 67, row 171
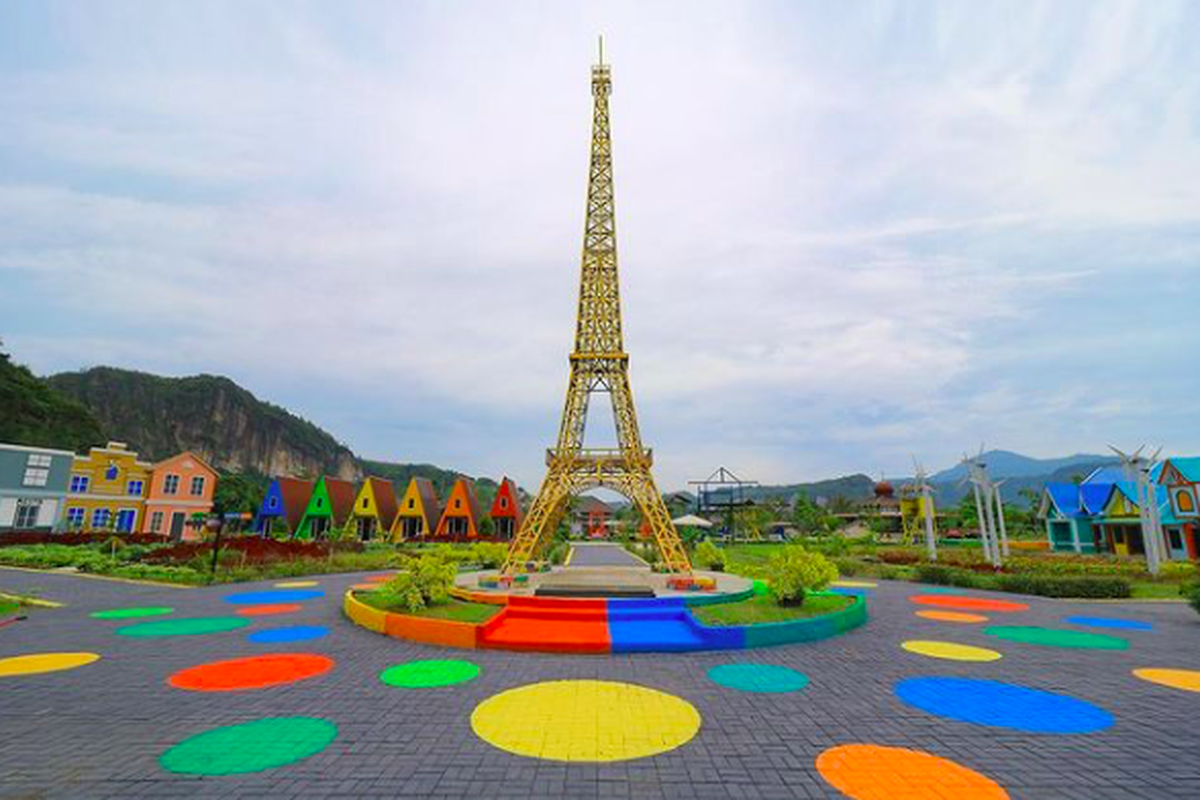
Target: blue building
column 33, row 487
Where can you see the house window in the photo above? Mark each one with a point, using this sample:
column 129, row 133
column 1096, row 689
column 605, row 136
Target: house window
column 75, row 517
column 1176, row 539
column 171, row 484
column 27, row 513
column 364, row 502
column 274, row 503
column 125, row 519
column 457, row 504
column 36, row 476
column 412, row 503
column 79, row 483
column 134, row 488
column 156, row 520
column 100, row 518
column 503, row 502
column 38, row 460
column 197, row 488
column 112, row 472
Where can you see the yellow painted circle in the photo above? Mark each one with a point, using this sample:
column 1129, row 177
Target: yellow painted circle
column 44, row 662
column 585, row 721
column 856, row 584
column 950, row 650
column 1186, row 679
column 295, row 584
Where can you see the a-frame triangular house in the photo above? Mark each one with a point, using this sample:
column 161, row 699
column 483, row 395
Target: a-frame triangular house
column 460, row 519
column 506, row 511
column 374, row 509
column 285, row 500
column 328, row 509
column 418, row 513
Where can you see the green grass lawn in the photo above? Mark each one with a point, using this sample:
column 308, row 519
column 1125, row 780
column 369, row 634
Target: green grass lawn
column 763, row 608
column 8, row 607
column 1145, row 590
column 456, row 610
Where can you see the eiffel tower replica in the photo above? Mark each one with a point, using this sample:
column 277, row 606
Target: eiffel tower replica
column 598, row 364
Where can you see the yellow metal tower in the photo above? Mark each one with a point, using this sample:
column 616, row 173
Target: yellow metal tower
column 598, row 364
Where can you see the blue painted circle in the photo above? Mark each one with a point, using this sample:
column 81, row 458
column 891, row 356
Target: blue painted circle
column 849, row 591
column 293, row 633
column 274, row 596
column 1110, row 622
column 1003, row 705
column 758, row 677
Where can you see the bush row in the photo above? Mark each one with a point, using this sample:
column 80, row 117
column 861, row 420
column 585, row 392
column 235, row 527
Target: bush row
column 1042, row 585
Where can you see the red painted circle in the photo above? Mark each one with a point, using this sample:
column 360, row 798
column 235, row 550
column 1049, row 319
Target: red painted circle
column 257, row 672
column 971, row 603
column 269, row 608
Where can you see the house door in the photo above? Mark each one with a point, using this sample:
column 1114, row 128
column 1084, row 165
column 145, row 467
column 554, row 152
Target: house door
column 125, row 520
column 412, row 527
column 177, row 520
column 366, row 528
column 319, row 526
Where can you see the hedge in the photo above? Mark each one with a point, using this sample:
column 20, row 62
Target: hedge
column 1043, row 585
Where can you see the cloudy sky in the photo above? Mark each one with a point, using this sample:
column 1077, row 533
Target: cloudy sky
column 848, row 235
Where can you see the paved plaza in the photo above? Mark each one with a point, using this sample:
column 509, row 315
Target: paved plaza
column 1040, row 702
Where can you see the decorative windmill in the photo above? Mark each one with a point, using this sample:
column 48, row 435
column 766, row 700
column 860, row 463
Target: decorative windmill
column 989, row 508
column 1138, row 470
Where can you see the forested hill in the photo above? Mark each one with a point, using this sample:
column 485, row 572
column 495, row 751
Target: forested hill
column 33, row 413
column 210, row 415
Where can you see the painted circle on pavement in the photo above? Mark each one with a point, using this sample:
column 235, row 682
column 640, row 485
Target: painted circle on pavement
column 951, row 651
column 296, row 584
column 1110, row 622
column 37, row 663
column 131, row 613
column 758, row 677
column 1049, row 637
column 292, row 633
column 952, row 616
column 255, row 672
column 274, row 596
column 1003, row 705
column 856, row 584
column 267, row 609
column 429, row 674
column 250, row 747
column 585, row 720
column 1186, row 679
column 365, row 587
column 378, row 578
column 967, row 603
column 847, row 591
column 872, row 772
column 183, row 627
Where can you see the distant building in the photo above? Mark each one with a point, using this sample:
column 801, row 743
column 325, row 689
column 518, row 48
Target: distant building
column 107, row 491
column 374, row 509
column 180, row 497
column 506, row 510
column 285, row 501
column 33, row 487
column 419, row 512
column 327, row 510
column 590, row 517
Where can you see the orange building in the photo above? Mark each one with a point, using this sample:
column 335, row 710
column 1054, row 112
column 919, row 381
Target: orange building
column 460, row 520
column 181, row 492
column 506, row 510
column 419, row 512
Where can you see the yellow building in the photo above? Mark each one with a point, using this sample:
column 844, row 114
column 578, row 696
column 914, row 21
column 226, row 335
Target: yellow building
column 107, row 490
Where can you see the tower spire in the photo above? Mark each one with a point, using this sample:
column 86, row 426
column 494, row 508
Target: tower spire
column 599, row 363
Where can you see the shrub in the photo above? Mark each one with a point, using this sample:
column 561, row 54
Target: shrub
column 558, row 553
column 847, row 566
column 709, row 555
column 1065, row 586
column 1178, row 571
column 1194, row 599
column 489, row 555
column 427, row 582
column 942, row 575
column 794, row 571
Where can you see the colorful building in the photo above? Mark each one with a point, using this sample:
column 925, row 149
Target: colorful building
column 107, row 490
column 374, row 508
column 1181, row 478
column 590, row 517
column 460, row 518
column 33, row 487
column 328, row 509
column 506, row 510
column 419, row 511
column 285, row 502
column 180, row 497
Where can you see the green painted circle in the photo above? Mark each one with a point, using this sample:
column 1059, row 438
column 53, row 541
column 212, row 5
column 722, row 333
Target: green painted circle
column 184, row 627
column 129, row 613
column 429, row 674
column 758, row 678
column 1048, row 637
column 250, row 747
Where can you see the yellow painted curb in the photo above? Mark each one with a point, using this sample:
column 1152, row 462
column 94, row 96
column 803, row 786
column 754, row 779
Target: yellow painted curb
column 26, row 600
column 114, row 579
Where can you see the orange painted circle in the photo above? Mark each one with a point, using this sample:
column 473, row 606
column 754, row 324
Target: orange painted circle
column 365, row 587
column 379, row 578
column 872, row 772
column 268, row 609
column 952, row 616
column 971, row 603
column 256, row 672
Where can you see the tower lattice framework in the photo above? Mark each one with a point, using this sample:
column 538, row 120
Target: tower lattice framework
column 599, row 363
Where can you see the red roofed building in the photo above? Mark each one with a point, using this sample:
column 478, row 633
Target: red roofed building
column 506, row 510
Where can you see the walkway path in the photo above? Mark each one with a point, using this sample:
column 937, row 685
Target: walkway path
column 602, row 554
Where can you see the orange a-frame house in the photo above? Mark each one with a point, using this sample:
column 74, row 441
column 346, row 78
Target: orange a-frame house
column 506, row 510
column 419, row 511
column 460, row 520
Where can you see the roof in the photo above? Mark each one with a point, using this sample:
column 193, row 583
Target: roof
column 1065, row 497
column 431, row 508
column 1094, row 497
column 1109, row 474
column 185, row 454
column 507, row 489
column 468, row 488
column 1188, row 467
column 341, row 498
column 386, row 503
column 692, row 520
column 592, row 505
column 295, row 493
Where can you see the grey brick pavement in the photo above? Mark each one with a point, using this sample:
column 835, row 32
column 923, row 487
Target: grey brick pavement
column 97, row 731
